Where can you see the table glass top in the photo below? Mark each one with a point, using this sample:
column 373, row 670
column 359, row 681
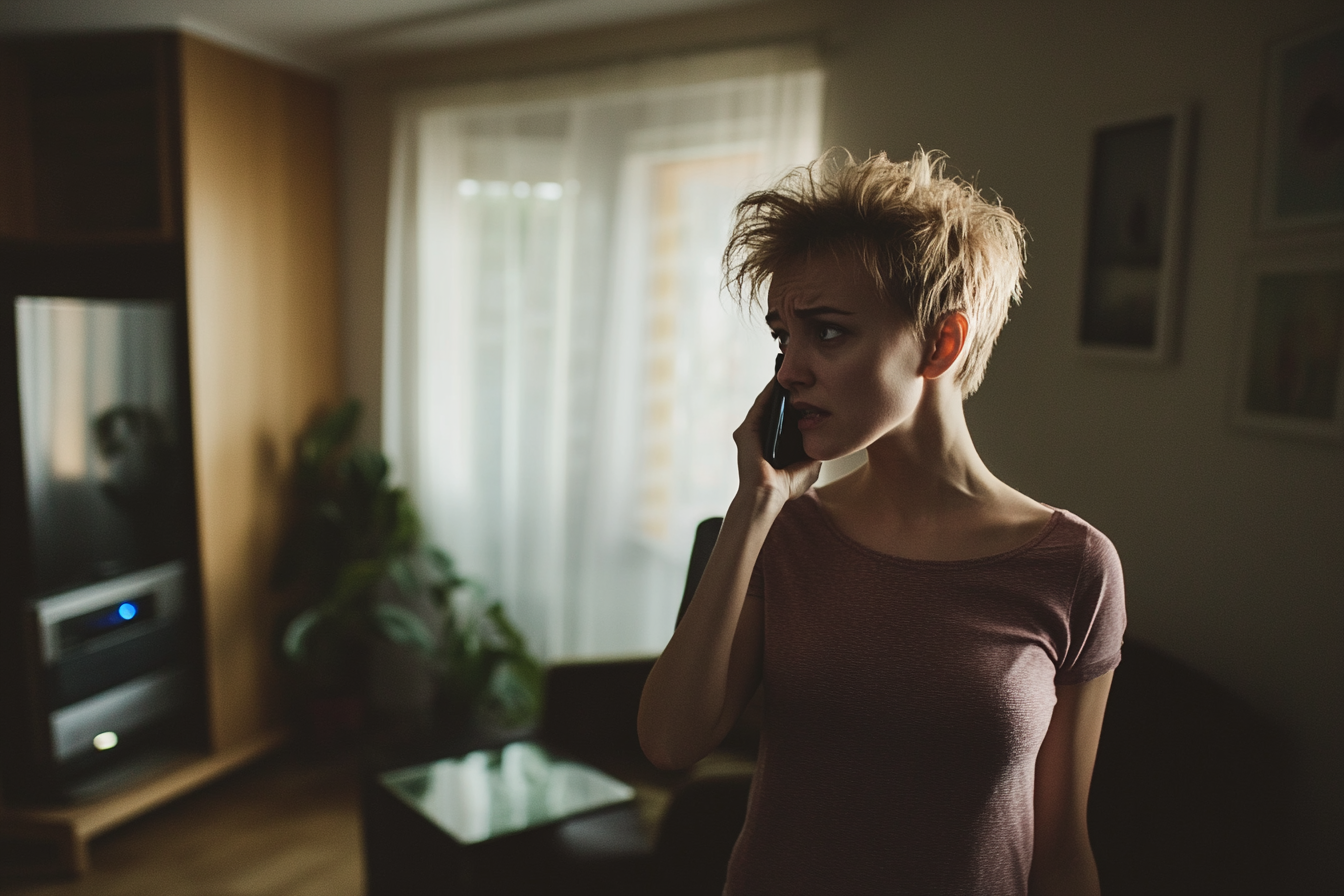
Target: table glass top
column 489, row 793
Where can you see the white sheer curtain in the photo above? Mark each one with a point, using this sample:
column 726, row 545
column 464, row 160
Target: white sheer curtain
column 562, row 375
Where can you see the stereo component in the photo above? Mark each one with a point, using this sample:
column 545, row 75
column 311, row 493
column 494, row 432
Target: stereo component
column 114, row 675
column 114, row 717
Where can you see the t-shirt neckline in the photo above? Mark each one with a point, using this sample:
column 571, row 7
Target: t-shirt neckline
column 815, row 503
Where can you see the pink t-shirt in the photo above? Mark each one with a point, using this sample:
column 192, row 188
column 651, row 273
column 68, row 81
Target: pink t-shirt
column 905, row 702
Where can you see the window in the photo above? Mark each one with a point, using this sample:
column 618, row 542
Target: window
column 562, row 374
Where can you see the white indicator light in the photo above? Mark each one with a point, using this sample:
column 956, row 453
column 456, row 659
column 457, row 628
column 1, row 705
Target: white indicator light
column 105, row 741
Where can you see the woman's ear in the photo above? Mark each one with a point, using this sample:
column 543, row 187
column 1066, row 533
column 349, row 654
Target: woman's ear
column 945, row 346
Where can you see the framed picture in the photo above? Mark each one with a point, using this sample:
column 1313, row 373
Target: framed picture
column 1134, row 264
column 1290, row 371
column 1302, row 169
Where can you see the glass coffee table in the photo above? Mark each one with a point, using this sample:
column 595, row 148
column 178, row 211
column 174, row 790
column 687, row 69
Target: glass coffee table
column 516, row 819
column 492, row 793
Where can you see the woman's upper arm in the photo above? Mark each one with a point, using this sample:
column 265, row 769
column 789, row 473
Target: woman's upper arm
column 1062, row 857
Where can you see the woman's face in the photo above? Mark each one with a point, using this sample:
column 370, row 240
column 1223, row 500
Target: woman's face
column 852, row 360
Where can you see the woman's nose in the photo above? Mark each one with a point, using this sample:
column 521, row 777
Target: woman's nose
column 794, row 372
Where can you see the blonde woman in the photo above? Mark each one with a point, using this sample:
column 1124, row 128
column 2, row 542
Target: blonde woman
column 936, row 648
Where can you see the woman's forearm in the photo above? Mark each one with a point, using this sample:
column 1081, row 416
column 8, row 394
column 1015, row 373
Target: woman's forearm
column 711, row 666
column 1071, row 874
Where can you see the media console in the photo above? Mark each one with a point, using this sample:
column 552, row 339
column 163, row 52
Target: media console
column 107, row 644
column 116, row 677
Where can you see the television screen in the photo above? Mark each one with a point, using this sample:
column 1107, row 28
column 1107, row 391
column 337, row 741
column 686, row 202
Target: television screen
column 103, row 448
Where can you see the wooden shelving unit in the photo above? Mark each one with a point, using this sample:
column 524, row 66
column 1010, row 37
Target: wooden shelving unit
column 230, row 192
column 54, row 841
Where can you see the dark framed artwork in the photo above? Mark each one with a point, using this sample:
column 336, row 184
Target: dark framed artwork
column 1302, row 167
column 1290, row 371
column 1134, row 263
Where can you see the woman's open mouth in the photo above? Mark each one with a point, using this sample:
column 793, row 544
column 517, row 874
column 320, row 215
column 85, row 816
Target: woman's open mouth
column 809, row 416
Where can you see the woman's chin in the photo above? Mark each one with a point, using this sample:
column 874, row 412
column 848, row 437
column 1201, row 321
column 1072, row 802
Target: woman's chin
column 820, row 449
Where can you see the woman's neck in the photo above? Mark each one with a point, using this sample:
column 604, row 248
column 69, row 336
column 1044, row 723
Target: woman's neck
column 930, row 458
column 927, row 467
column 925, row 494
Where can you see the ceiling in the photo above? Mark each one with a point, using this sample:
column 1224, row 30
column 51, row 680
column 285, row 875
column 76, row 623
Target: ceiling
column 327, row 35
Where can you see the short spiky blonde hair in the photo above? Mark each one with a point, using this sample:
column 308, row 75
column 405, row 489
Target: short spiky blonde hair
column 929, row 241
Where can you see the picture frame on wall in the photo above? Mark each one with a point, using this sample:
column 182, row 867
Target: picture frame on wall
column 1302, row 157
column 1134, row 262
column 1290, row 367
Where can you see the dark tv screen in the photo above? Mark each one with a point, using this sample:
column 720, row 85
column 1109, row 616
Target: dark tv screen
column 104, row 456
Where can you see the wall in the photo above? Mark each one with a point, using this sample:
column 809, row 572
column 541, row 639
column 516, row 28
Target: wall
column 1233, row 543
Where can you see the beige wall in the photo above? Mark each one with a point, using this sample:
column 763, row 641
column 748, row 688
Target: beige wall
column 1233, row 543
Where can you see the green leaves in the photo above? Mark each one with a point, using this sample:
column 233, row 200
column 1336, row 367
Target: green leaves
column 487, row 664
column 442, row 565
column 403, row 575
column 355, row 545
column 354, row 583
column 295, row 640
column 321, row 442
column 513, row 696
column 400, row 626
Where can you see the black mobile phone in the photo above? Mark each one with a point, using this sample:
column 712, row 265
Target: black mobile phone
column 781, row 442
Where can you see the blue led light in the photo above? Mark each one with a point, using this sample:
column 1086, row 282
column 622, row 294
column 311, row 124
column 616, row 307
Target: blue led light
column 127, row 611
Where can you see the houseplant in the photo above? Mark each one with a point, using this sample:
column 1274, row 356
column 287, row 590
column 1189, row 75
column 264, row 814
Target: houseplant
column 359, row 571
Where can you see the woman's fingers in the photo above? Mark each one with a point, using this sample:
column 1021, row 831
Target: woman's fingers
column 754, row 472
column 752, row 422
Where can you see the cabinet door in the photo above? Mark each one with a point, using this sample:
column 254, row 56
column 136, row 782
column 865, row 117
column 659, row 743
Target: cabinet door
column 93, row 137
column 16, row 171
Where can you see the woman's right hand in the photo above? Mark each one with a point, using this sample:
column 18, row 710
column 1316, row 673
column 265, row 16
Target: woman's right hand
column 755, row 476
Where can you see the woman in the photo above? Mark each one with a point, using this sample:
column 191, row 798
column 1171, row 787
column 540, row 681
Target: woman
column 936, row 648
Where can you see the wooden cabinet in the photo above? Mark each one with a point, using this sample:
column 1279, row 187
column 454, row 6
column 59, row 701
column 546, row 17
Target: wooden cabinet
column 259, row 170
column 162, row 165
column 91, row 146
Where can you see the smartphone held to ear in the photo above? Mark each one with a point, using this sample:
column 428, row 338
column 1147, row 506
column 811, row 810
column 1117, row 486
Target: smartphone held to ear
column 781, row 441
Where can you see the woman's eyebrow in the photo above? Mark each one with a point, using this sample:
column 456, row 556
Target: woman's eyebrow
column 773, row 316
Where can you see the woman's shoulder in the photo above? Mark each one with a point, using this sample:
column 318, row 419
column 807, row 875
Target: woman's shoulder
column 1096, row 548
column 1074, row 529
column 1082, row 554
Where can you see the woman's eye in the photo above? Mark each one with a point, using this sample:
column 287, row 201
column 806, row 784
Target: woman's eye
column 825, row 332
column 781, row 337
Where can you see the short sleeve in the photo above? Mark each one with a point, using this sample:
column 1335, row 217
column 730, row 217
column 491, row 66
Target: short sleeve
column 1096, row 614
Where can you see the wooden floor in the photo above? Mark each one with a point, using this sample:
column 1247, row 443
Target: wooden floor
column 287, row 825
